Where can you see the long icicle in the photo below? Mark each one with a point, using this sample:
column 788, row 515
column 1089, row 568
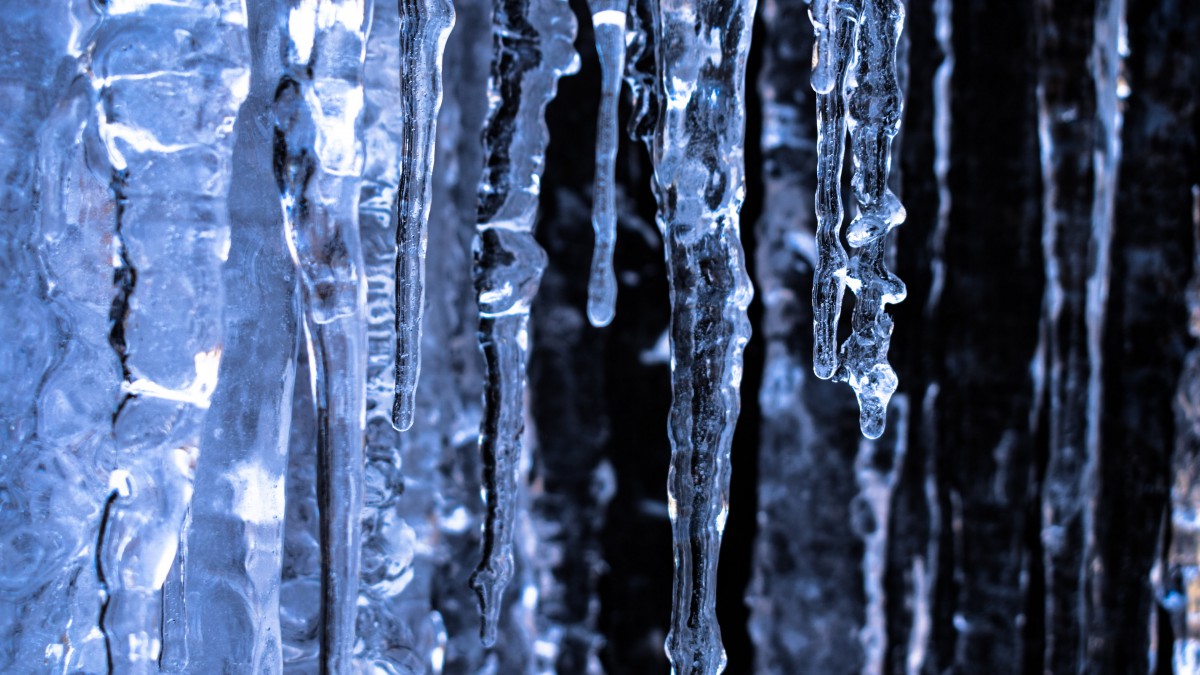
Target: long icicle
column 835, row 25
column 701, row 51
column 318, row 163
column 170, row 185
column 424, row 27
column 608, row 22
column 532, row 48
column 874, row 109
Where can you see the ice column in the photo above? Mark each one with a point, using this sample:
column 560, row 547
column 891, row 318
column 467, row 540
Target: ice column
column 532, row 48
column 701, row 51
column 424, row 27
column 168, row 79
column 318, row 164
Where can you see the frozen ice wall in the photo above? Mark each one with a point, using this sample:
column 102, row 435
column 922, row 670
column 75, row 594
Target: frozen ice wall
column 313, row 360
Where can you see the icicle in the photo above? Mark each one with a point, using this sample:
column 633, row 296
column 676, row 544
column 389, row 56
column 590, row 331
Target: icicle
column 698, row 170
column 801, row 617
column 318, row 163
column 835, row 25
column 532, row 48
column 608, row 21
column 395, row 627
column 874, row 107
column 170, row 180
column 424, row 27
column 1078, row 133
column 871, row 519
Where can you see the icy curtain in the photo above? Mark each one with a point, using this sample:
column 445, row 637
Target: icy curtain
column 330, row 323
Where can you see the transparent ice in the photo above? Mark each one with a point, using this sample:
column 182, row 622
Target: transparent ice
column 235, row 233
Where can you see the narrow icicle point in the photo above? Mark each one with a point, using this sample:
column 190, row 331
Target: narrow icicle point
column 168, row 169
column 532, row 48
column 874, row 109
column 424, row 27
column 318, row 164
column 835, row 25
column 608, row 21
column 701, row 51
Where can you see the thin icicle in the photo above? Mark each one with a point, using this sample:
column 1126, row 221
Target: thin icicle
column 835, row 25
column 608, row 21
column 318, row 163
column 424, row 27
column 701, row 51
column 169, row 173
column 874, row 106
column 532, row 49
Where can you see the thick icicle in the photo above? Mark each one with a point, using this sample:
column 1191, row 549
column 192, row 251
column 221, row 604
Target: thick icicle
column 169, row 172
column 608, row 22
column 318, row 163
column 532, row 49
column 874, row 110
column 424, row 27
column 701, row 51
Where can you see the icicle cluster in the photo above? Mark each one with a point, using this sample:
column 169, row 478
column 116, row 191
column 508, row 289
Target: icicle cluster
column 854, row 75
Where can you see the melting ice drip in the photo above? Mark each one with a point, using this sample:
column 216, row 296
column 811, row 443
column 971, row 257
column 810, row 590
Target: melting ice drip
column 854, row 76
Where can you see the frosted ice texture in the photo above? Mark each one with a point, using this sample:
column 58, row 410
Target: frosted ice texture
column 318, row 164
column 803, row 615
column 697, row 151
column 531, row 42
